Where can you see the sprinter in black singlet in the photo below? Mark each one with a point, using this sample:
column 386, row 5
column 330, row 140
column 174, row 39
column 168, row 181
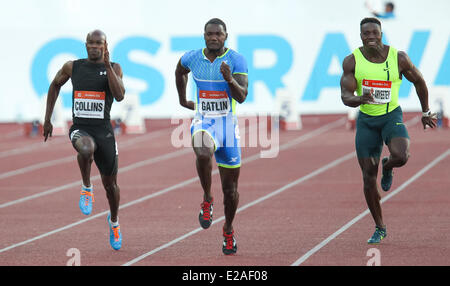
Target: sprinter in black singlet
column 96, row 83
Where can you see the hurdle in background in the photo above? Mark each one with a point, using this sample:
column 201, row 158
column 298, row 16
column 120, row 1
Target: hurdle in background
column 287, row 111
column 128, row 119
column 58, row 120
column 439, row 101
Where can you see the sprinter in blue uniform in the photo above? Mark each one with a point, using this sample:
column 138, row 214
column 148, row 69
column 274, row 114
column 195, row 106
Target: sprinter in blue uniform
column 220, row 75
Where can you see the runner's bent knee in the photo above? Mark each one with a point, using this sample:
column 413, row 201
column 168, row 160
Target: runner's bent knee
column 202, row 140
column 400, row 158
column 203, row 154
column 85, row 146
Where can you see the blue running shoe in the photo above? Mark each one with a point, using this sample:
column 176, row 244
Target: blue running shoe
column 115, row 236
column 378, row 235
column 86, row 200
column 386, row 178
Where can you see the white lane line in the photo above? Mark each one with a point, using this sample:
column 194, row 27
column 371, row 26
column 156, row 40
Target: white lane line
column 36, row 167
column 63, row 139
column 165, row 157
column 255, row 202
column 278, row 191
column 71, row 158
column 32, row 147
column 324, row 129
column 366, row 212
column 12, row 134
column 128, row 168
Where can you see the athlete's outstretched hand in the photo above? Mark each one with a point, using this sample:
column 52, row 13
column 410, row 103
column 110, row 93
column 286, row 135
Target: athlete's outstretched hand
column 48, row 130
column 429, row 120
column 226, row 71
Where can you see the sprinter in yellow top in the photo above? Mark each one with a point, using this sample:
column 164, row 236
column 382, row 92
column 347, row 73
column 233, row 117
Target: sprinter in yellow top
column 375, row 72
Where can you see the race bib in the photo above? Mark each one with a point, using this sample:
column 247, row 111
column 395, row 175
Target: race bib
column 214, row 103
column 380, row 90
column 89, row 104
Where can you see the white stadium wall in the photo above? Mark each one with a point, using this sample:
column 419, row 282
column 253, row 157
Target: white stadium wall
column 289, row 44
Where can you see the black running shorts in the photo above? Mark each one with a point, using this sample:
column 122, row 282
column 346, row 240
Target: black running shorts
column 106, row 153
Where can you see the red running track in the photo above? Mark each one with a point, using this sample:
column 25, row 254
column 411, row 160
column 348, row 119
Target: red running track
column 303, row 207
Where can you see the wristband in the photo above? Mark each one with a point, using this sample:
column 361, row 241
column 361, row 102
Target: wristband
column 426, row 113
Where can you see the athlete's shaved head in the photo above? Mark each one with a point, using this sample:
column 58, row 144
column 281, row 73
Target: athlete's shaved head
column 95, row 45
column 97, row 33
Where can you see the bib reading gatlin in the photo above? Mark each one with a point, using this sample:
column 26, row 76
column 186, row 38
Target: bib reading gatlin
column 214, row 103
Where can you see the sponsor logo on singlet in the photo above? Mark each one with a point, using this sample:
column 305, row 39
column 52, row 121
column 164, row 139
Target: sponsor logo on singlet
column 89, row 104
column 380, row 90
column 214, row 103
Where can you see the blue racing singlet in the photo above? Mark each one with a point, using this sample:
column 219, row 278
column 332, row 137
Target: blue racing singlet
column 215, row 108
column 213, row 97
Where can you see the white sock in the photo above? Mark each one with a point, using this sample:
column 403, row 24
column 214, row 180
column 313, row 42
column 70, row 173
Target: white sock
column 114, row 223
column 90, row 187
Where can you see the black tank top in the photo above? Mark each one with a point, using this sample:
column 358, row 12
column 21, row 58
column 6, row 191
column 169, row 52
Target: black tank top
column 91, row 96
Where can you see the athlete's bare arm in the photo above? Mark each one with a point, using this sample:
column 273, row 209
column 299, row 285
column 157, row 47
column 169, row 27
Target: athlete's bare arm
column 349, row 85
column 409, row 70
column 238, row 83
column 114, row 75
column 181, row 79
column 62, row 76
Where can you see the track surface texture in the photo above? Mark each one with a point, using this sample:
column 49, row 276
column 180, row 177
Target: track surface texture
column 304, row 206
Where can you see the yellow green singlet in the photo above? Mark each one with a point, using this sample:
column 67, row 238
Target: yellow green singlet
column 380, row 77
